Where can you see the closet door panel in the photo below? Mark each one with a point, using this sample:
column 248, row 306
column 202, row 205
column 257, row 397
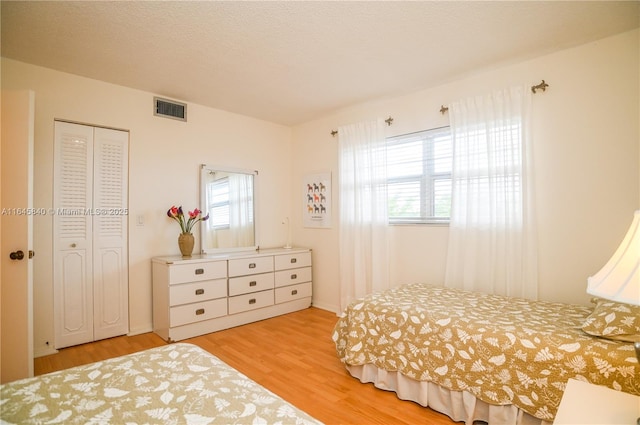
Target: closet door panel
column 72, row 234
column 77, row 323
column 110, row 200
column 111, row 316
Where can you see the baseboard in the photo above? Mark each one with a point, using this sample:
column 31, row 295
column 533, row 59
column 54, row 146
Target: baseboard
column 331, row 308
column 140, row 331
column 45, row 352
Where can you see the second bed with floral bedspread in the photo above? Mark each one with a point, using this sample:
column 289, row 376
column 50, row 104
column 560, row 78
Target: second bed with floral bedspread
column 174, row 384
column 504, row 351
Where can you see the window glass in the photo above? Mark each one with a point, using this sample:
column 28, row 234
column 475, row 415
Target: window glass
column 219, row 210
column 419, row 177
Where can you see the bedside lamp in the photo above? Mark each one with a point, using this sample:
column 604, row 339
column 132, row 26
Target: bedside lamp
column 619, row 279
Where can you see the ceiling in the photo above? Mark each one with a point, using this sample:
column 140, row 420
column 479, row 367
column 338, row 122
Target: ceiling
column 289, row 62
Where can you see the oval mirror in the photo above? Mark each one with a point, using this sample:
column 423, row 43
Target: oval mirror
column 229, row 197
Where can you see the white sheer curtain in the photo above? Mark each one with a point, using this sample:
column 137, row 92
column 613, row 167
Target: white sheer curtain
column 241, row 209
column 363, row 252
column 492, row 235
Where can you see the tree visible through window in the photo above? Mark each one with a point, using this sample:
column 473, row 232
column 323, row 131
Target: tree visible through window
column 419, row 177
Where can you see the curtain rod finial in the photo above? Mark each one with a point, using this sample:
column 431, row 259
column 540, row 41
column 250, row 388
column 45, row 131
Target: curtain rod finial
column 542, row 86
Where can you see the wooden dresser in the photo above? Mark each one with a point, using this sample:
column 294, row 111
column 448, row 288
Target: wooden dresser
column 207, row 293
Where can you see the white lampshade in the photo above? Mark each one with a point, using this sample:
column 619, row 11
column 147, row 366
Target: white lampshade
column 619, row 279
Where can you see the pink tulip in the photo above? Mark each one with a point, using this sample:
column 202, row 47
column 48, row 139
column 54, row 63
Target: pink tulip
column 177, row 214
column 173, row 212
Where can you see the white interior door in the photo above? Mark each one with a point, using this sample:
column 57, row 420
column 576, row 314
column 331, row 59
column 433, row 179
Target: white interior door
column 16, row 280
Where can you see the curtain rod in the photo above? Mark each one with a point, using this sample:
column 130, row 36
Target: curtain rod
column 542, row 86
column 389, row 121
column 444, row 109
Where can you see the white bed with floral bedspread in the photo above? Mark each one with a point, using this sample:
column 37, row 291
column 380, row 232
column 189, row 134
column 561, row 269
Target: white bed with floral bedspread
column 486, row 357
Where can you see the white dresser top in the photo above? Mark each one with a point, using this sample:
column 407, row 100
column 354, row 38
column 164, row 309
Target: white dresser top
column 199, row 258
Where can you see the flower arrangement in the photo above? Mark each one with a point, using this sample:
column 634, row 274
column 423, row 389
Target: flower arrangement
column 186, row 225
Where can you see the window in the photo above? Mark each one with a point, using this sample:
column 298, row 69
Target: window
column 419, row 177
column 219, row 208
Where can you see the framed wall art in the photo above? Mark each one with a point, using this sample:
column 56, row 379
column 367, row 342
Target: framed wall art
column 316, row 196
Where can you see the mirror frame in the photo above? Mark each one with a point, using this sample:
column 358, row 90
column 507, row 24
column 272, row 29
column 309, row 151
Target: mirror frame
column 206, row 168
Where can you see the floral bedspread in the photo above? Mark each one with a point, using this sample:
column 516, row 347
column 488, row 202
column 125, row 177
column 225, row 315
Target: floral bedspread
column 173, row 384
column 502, row 350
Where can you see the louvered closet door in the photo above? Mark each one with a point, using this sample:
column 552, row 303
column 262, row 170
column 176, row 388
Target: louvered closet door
column 110, row 277
column 90, row 228
column 72, row 265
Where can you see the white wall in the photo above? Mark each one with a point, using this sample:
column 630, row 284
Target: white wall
column 587, row 158
column 164, row 167
column 586, row 131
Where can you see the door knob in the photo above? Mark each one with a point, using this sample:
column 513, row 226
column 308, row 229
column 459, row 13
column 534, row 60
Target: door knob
column 17, row 255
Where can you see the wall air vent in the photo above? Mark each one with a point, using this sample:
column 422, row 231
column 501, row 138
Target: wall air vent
column 169, row 109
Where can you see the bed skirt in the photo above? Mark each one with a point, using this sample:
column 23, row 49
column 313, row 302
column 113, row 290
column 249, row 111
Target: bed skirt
column 461, row 406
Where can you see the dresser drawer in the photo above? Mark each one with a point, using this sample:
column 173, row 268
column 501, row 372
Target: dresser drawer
column 292, row 276
column 291, row 261
column 252, row 283
column 293, row 292
column 181, row 273
column 197, row 291
column 245, row 266
column 247, row 302
column 189, row 313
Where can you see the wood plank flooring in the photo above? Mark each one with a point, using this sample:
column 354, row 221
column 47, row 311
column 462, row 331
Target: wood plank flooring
column 291, row 355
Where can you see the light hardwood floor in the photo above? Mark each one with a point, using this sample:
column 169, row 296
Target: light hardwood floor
column 291, row 355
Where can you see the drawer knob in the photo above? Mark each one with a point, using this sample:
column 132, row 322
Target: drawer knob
column 294, row 260
column 252, row 301
column 253, row 283
column 199, row 311
column 294, row 292
column 252, row 265
column 199, row 291
column 199, row 271
column 294, row 276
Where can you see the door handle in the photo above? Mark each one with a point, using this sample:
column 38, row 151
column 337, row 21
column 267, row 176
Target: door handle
column 16, row 255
